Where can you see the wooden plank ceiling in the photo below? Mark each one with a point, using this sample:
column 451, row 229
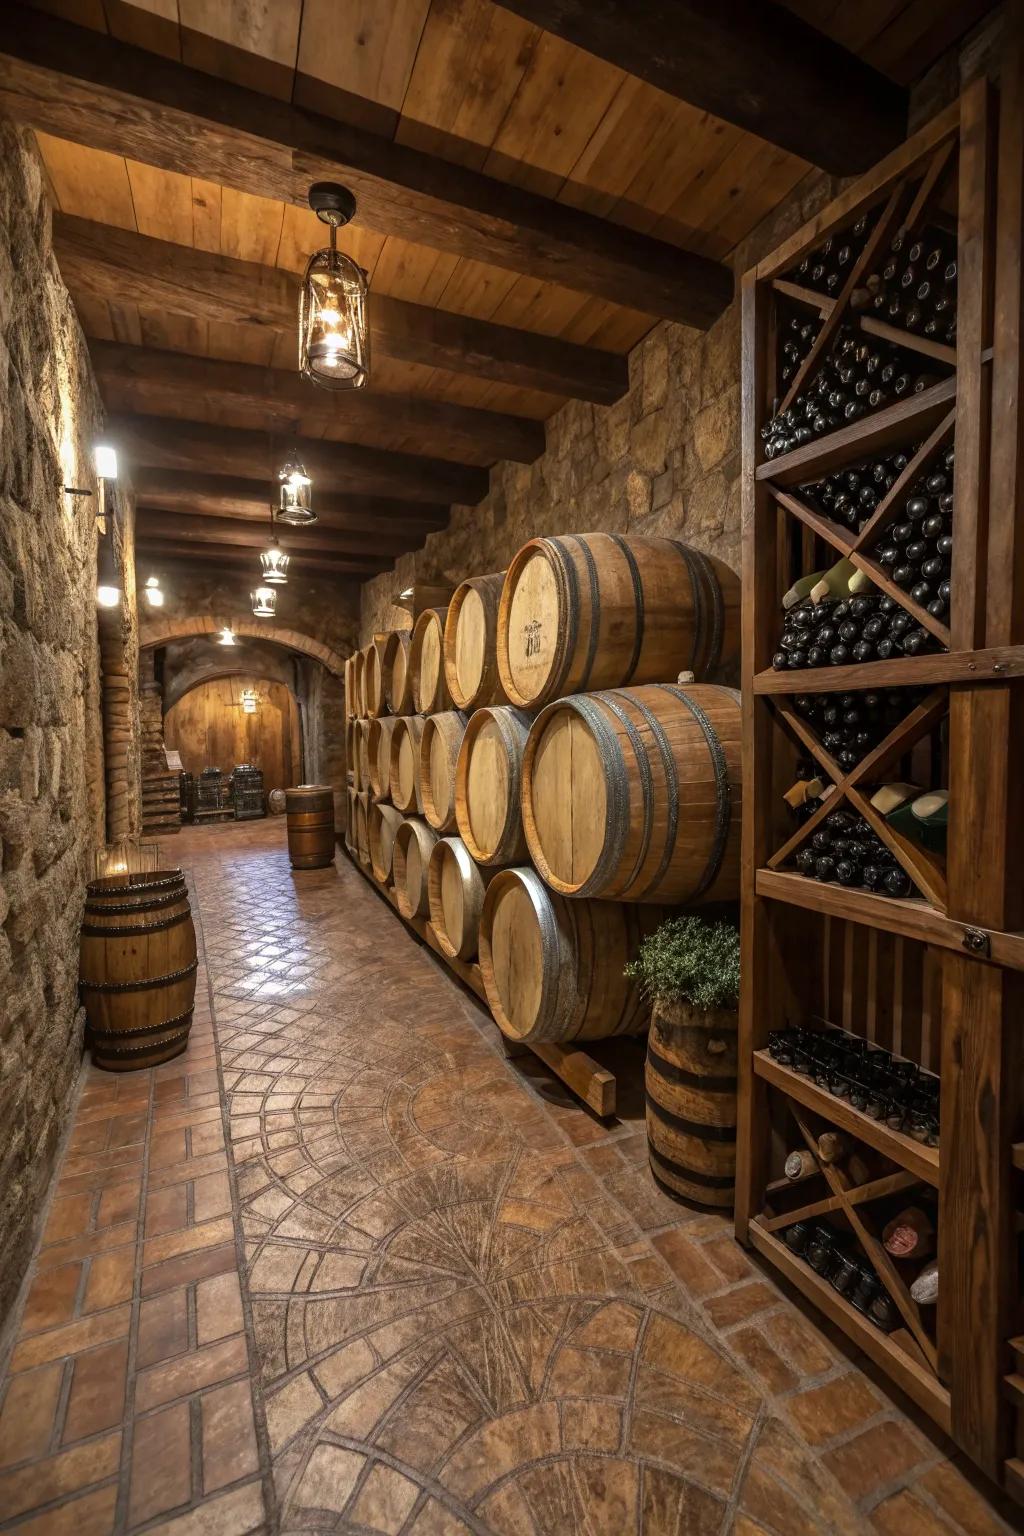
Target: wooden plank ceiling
column 181, row 247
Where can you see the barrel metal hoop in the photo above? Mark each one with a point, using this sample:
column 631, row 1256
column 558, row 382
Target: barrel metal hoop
column 691, row 1175
column 144, row 1029
column 139, row 986
column 668, row 763
column 119, row 1052
column 550, row 991
column 567, row 581
column 673, row 1074
column 689, row 1127
column 136, row 930
column 723, row 790
column 597, row 880
column 513, row 754
column 136, row 906
column 707, row 595
column 638, row 606
column 617, row 813
column 595, row 610
column 174, row 877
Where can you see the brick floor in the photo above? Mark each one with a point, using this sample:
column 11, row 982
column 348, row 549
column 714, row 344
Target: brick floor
column 342, row 1267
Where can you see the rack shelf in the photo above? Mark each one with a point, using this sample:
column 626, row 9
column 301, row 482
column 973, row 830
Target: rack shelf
column 917, row 1159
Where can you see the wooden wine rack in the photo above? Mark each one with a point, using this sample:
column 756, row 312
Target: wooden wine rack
column 938, row 977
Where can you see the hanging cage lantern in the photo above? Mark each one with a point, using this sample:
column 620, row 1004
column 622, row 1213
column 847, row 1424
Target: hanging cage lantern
column 334, row 336
column 264, row 602
column 296, row 500
column 274, row 561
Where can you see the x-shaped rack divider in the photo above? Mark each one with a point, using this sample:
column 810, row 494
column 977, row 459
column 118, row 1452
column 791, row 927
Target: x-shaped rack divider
column 849, row 1199
column 926, row 872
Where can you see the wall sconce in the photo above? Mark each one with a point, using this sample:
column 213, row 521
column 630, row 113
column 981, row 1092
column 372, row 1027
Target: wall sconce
column 334, row 337
column 264, row 602
column 227, row 636
column 296, row 502
column 108, row 581
column 104, row 462
column 154, row 596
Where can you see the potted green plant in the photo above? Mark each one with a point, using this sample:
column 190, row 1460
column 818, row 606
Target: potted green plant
column 690, row 969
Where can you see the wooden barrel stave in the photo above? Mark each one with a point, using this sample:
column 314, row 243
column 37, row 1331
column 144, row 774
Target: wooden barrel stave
column 362, row 842
column 553, row 969
column 410, row 856
column 690, row 1082
column 487, row 785
column 404, row 776
column 591, row 611
column 456, row 887
column 310, row 814
column 635, row 794
column 137, row 969
column 426, row 663
column 470, row 643
column 382, row 824
column 397, row 674
column 438, row 756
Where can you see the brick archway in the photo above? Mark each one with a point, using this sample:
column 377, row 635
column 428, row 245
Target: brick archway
column 163, row 631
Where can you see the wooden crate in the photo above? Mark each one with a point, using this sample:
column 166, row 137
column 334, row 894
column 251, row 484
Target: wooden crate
column 938, row 977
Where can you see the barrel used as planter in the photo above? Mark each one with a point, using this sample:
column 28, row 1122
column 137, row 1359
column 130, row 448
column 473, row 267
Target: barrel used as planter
column 310, row 809
column 599, row 610
column 362, row 839
column 414, row 843
column 636, row 794
column 373, row 678
column 137, row 968
column 553, row 969
column 426, row 662
column 690, row 1080
column 397, row 677
column 470, row 643
column 382, row 824
column 456, row 886
column 378, row 754
column 404, row 774
column 439, row 753
column 487, row 781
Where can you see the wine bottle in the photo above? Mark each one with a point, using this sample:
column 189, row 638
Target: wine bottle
column 799, row 1165
column 834, row 1146
column 925, row 1289
column 910, row 1235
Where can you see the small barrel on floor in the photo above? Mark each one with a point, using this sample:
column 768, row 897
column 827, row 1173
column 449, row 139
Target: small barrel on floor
column 137, row 969
column 410, row 856
column 310, row 810
column 690, row 1081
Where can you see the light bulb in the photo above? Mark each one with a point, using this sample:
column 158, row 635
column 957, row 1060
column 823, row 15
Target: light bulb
column 104, row 460
column 227, row 636
column 108, row 597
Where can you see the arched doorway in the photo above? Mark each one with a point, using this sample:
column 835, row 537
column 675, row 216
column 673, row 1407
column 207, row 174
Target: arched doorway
column 236, row 718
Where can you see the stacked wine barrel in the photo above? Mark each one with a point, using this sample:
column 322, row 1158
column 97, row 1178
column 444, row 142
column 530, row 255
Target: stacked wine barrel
column 543, row 785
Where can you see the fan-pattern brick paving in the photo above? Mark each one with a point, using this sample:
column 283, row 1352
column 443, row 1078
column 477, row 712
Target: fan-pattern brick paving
column 344, row 1268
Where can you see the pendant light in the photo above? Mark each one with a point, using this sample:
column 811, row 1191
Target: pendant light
column 296, row 502
column 273, row 560
column 154, row 595
column 264, row 602
column 227, row 636
column 334, row 337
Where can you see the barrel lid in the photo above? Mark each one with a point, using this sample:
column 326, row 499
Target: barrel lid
column 309, row 789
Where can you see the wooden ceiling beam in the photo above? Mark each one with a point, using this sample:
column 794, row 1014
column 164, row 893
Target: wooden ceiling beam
column 752, row 63
column 201, row 495
column 150, row 551
column 160, row 443
column 89, row 87
column 121, row 266
column 158, row 523
column 157, row 382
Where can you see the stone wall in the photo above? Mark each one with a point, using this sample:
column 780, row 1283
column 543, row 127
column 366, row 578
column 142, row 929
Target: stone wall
column 52, row 787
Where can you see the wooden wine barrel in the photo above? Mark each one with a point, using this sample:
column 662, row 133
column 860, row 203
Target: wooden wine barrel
column 358, row 669
column 487, row 779
column 439, row 752
column 362, row 838
column 404, row 773
column 378, row 754
column 470, row 643
column 137, row 968
column 373, row 678
column 426, row 662
column 382, row 824
column 414, row 842
column 690, row 1080
column 636, row 794
column 349, row 710
column 456, row 886
column 397, row 676
column 599, row 610
column 310, row 810
column 553, row 969
column 350, row 820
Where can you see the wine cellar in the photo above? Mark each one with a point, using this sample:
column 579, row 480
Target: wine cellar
column 880, row 1047
column 511, row 746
